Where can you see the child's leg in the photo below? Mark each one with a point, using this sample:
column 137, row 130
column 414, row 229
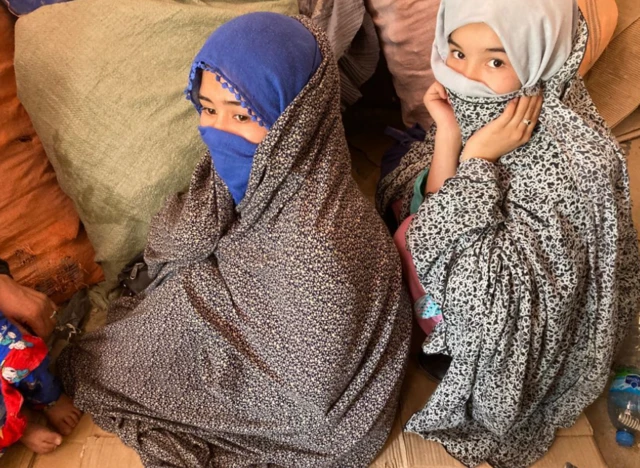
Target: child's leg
column 43, row 391
column 419, row 298
column 408, row 269
column 25, row 376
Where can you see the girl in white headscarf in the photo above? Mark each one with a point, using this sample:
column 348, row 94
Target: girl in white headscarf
column 523, row 253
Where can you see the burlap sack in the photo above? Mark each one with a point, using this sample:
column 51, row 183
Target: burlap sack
column 103, row 81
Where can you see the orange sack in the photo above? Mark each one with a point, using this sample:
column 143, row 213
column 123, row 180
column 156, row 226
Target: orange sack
column 40, row 233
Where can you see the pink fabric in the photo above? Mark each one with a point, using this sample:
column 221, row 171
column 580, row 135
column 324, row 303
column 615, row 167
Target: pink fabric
column 416, row 291
column 406, row 29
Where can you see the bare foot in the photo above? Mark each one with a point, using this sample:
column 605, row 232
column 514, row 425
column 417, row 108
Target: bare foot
column 63, row 415
column 40, row 439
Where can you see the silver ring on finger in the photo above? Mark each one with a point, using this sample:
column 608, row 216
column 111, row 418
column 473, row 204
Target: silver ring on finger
column 53, row 315
column 527, row 122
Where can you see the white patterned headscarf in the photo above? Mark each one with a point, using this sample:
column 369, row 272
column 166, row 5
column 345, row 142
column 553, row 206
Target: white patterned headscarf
column 537, row 37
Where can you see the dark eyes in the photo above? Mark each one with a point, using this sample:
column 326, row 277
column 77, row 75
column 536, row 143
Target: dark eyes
column 493, row 63
column 237, row 117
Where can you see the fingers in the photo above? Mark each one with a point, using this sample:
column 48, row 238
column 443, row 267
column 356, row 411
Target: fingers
column 42, row 325
column 538, row 109
column 440, row 90
column 48, row 318
column 40, row 300
column 534, row 117
column 533, row 102
column 525, row 117
column 51, row 306
column 41, row 318
column 435, row 87
column 509, row 111
column 517, row 111
column 520, row 114
column 39, row 329
column 28, row 307
column 435, row 91
column 47, row 327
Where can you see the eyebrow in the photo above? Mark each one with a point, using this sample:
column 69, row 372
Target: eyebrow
column 453, row 43
column 205, row 98
column 492, row 49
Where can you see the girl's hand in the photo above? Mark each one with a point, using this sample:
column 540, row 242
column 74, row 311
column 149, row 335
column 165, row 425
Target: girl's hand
column 507, row 132
column 437, row 103
column 25, row 306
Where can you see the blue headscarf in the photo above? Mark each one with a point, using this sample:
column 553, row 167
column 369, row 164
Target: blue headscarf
column 265, row 59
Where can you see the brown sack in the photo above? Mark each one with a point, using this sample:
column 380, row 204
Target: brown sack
column 40, row 232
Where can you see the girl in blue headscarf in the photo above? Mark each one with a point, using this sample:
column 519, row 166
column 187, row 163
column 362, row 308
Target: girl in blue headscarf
column 276, row 328
column 240, row 86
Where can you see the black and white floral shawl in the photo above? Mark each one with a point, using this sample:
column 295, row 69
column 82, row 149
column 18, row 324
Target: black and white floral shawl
column 274, row 333
column 534, row 262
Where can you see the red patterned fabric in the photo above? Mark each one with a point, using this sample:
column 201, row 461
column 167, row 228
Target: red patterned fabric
column 21, row 360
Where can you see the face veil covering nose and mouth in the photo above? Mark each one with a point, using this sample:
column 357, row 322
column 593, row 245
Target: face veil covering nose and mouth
column 265, row 64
